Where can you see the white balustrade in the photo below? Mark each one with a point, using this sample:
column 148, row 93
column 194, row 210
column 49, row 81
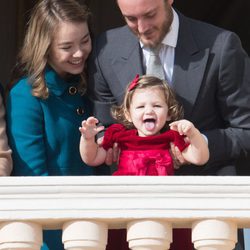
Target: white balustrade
column 214, row 234
column 20, row 235
column 81, row 235
column 149, row 235
column 149, row 207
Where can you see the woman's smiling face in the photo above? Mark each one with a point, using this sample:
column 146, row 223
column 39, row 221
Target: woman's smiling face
column 70, row 48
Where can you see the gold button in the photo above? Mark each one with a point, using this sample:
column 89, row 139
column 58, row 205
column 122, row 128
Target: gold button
column 80, row 111
column 72, row 90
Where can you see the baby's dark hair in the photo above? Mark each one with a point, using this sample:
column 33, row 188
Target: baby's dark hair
column 143, row 82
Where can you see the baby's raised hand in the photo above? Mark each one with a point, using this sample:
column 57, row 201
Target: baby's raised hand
column 89, row 128
column 184, row 127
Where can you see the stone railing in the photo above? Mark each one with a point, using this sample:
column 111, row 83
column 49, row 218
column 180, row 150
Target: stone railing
column 149, row 207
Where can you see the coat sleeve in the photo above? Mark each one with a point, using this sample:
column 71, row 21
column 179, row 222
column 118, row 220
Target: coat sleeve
column 5, row 151
column 232, row 138
column 26, row 131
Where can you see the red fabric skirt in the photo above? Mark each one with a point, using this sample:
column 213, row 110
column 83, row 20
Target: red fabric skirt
column 181, row 240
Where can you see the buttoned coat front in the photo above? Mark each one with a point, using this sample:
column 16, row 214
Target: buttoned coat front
column 44, row 134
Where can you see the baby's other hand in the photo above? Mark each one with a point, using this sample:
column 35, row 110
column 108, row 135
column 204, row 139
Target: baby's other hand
column 89, row 128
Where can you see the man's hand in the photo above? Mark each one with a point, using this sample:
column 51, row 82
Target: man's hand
column 112, row 153
column 177, row 157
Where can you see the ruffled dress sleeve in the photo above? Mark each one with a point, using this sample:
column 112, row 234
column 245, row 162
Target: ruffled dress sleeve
column 111, row 135
column 179, row 141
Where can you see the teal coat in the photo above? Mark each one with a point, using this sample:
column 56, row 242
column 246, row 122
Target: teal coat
column 44, row 134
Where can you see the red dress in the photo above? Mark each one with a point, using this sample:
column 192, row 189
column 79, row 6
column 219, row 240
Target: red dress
column 144, row 156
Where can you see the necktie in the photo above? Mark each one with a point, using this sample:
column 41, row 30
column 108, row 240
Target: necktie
column 154, row 66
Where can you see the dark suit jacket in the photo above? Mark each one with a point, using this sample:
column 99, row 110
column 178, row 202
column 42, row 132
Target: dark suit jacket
column 211, row 79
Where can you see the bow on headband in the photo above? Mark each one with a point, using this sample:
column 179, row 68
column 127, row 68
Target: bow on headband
column 134, row 83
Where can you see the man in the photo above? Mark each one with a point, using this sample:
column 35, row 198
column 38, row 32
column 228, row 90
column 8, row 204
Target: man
column 205, row 65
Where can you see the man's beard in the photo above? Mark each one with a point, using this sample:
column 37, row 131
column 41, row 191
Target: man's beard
column 166, row 25
column 163, row 30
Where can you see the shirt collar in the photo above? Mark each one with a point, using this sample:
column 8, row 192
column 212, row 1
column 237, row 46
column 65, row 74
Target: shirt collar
column 171, row 37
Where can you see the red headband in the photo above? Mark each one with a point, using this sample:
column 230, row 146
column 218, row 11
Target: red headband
column 134, row 83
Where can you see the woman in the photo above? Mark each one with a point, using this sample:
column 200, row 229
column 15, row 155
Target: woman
column 46, row 101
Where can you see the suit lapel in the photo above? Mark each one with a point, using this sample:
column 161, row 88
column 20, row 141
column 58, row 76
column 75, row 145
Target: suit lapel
column 128, row 62
column 189, row 67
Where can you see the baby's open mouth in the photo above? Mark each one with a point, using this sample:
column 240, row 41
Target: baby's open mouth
column 149, row 123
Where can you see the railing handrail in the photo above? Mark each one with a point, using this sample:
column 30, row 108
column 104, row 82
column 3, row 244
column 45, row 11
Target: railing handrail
column 119, row 199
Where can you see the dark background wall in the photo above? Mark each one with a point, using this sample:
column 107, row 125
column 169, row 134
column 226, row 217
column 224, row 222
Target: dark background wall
column 233, row 15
